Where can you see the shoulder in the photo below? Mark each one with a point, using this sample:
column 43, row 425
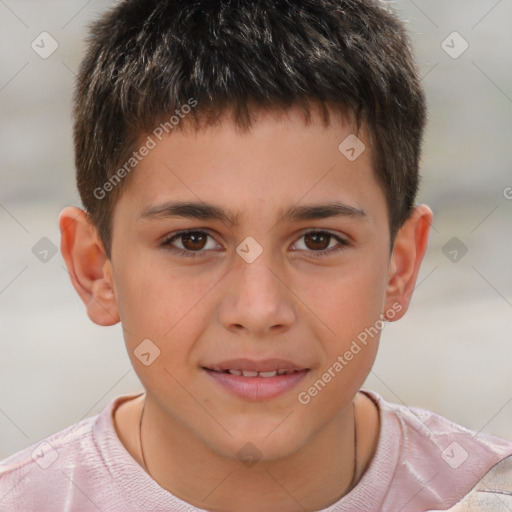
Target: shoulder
column 454, row 443
column 492, row 492
column 437, row 458
column 46, row 452
column 426, row 432
column 35, row 475
column 61, row 467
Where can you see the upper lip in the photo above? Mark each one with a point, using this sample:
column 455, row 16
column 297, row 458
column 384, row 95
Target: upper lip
column 264, row 365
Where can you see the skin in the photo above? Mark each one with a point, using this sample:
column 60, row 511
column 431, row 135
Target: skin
column 287, row 304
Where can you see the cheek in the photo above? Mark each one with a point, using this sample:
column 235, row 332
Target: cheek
column 349, row 307
column 166, row 308
column 347, row 300
column 153, row 297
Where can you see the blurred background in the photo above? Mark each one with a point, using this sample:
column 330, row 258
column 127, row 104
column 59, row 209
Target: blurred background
column 452, row 353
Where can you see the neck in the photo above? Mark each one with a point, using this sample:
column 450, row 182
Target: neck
column 314, row 477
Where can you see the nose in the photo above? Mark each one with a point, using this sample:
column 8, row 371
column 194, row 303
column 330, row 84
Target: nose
column 257, row 299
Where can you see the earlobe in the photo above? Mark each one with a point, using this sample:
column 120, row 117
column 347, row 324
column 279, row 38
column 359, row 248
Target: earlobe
column 88, row 266
column 409, row 249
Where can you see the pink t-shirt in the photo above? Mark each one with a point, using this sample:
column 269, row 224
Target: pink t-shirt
column 423, row 462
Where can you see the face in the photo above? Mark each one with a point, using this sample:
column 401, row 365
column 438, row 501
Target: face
column 281, row 264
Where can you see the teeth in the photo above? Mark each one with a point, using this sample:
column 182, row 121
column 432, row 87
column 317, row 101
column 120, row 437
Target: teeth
column 248, row 373
column 268, row 374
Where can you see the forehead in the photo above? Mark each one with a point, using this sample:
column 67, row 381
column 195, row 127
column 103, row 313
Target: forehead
column 280, row 160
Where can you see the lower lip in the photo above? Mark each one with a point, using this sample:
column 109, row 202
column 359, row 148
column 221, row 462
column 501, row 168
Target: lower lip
column 257, row 388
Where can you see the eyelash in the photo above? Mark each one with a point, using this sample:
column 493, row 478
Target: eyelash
column 167, row 244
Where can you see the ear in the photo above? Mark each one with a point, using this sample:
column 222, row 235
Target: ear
column 88, row 266
column 409, row 248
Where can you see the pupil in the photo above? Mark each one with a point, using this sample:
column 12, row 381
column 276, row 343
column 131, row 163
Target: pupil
column 194, row 239
column 316, row 237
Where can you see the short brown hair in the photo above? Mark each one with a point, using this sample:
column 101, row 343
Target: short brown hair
column 147, row 59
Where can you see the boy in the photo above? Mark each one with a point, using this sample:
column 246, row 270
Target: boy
column 249, row 171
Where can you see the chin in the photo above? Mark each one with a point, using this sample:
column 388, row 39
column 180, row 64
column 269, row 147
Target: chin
column 267, row 440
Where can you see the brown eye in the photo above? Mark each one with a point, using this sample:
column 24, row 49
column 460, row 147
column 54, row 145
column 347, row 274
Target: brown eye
column 194, row 241
column 317, row 241
column 321, row 243
column 190, row 243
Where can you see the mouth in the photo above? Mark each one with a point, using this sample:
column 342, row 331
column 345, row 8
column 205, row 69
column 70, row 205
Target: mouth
column 250, row 373
column 256, row 380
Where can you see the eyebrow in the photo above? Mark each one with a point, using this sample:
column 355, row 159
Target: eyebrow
column 205, row 211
